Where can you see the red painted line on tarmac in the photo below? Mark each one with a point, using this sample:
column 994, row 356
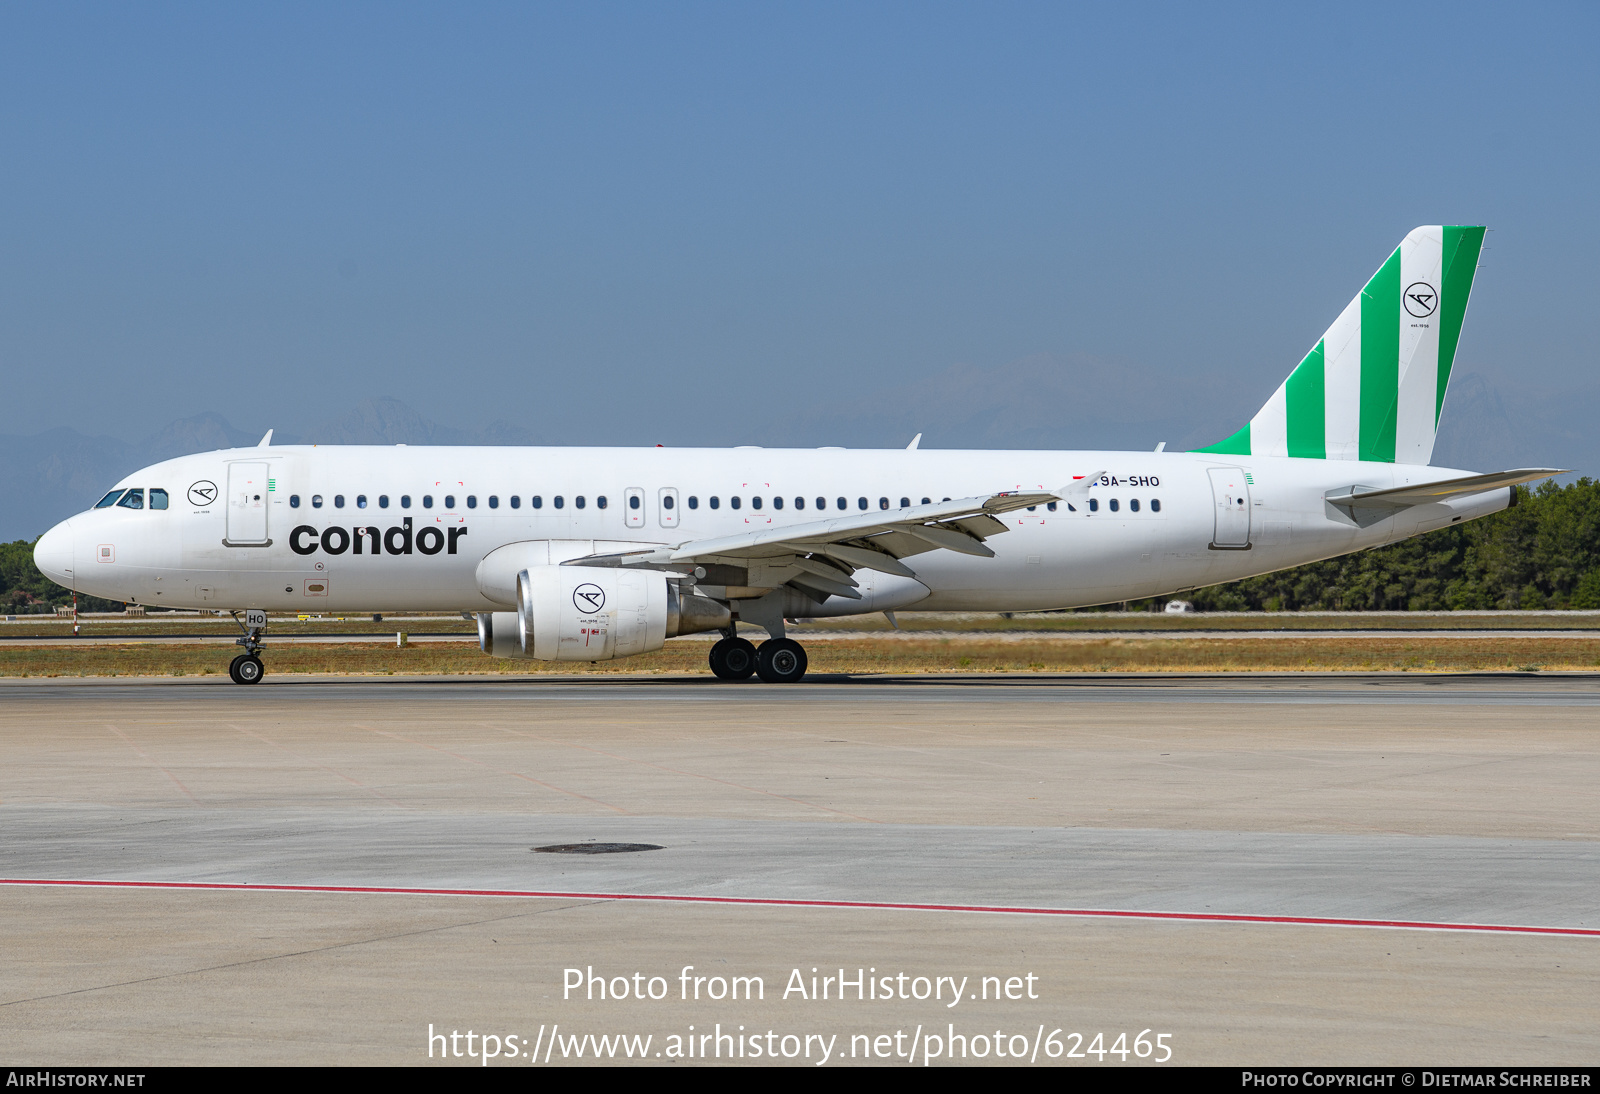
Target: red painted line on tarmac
column 869, row 905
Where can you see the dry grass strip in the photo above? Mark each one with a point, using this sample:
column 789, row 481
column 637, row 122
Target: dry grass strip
column 865, row 655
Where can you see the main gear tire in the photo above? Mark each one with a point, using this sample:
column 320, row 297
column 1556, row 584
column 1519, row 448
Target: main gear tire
column 781, row 661
column 733, row 659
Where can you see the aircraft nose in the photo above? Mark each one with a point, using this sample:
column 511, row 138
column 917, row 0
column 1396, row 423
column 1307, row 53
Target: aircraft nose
column 53, row 554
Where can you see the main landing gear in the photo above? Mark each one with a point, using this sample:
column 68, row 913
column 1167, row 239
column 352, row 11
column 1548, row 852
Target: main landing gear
column 247, row 667
column 776, row 661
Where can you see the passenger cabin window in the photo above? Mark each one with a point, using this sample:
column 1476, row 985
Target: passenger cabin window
column 1094, row 505
column 559, row 502
column 1134, row 504
column 427, row 501
column 927, row 501
column 516, row 502
column 405, row 501
column 494, row 501
column 715, row 502
column 361, row 501
column 316, row 501
column 601, row 502
column 861, row 503
column 734, row 502
column 694, row 502
column 109, row 500
column 383, row 501
column 536, row 501
column 449, row 501
column 472, row 501
column 1155, row 505
column 294, row 501
column 634, row 502
column 158, row 498
column 666, row 502
column 580, row 501
column 843, row 504
column 799, row 503
column 777, row 503
column 905, row 503
column 338, row 501
column 755, row 503
column 1050, row 506
column 883, row 503
column 133, row 499
column 1114, row 504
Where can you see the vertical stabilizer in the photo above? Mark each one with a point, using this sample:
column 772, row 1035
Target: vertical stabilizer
column 1373, row 386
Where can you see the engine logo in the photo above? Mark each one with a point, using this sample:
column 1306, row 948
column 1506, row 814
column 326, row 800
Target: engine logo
column 203, row 492
column 1421, row 299
column 589, row 598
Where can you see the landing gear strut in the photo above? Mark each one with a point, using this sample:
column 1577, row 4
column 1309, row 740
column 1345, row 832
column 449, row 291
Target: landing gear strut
column 247, row 667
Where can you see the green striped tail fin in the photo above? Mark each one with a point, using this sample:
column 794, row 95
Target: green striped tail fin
column 1373, row 386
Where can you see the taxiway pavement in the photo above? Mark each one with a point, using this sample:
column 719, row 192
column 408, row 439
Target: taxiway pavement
column 1457, row 801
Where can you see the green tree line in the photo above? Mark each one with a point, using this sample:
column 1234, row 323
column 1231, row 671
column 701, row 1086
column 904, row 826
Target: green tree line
column 26, row 591
column 1543, row 552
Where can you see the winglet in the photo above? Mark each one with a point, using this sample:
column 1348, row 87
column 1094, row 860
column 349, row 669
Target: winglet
column 914, row 442
column 265, row 440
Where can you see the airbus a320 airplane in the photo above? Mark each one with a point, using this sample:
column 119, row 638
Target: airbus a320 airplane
column 590, row 554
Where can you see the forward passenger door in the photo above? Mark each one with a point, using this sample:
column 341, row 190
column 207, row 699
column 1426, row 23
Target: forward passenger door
column 247, row 505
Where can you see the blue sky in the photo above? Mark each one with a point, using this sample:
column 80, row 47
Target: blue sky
column 740, row 223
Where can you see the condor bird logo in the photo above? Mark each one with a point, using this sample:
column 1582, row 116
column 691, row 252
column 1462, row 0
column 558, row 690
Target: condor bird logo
column 1421, row 299
column 588, row 598
column 203, row 492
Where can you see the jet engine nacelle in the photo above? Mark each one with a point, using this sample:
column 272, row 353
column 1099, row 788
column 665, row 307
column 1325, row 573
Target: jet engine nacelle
column 594, row 613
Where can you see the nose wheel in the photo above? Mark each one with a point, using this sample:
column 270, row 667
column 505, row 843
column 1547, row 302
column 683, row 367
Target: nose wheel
column 246, row 669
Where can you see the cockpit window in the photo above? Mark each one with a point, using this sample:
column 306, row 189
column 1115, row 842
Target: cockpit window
column 109, row 500
column 158, row 498
column 133, row 499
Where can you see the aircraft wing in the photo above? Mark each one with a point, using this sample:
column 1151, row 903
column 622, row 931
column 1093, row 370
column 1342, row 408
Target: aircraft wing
column 817, row 557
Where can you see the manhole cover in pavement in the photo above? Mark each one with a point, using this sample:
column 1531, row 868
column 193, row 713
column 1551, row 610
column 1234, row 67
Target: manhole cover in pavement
column 596, row 848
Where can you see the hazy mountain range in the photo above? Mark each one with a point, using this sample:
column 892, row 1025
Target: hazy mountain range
column 1041, row 402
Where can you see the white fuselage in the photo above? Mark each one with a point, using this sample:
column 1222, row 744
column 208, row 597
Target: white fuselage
column 1152, row 524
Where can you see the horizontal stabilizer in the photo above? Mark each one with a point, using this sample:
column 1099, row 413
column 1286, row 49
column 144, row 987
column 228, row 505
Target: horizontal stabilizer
column 1401, row 497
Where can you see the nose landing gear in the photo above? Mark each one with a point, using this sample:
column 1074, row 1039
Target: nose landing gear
column 247, row 667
